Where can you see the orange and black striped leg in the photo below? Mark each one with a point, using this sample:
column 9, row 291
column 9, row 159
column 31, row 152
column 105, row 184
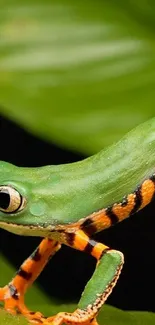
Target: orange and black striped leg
column 13, row 294
column 109, row 265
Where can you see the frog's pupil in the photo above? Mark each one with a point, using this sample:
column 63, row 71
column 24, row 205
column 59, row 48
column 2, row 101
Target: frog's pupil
column 4, row 199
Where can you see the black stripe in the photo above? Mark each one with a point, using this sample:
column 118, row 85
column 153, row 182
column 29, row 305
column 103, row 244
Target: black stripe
column 37, row 320
column 91, row 320
column 13, row 292
column 36, row 256
column 70, row 238
column 138, row 200
column 89, row 247
column 56, row 244
column 152, row 178
column 89, row 227
column 25, row 275
column 124, row 202
column 111, row 215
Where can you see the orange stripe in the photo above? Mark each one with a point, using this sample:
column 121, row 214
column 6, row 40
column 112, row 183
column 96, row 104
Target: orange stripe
column 98, row 250
column 101, row 220
column 123, row 212
column 81, row 240
column 46, row 248
column 147, row 190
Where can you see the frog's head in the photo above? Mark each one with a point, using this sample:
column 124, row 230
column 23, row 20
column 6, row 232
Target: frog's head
column 22, row 209
column 35, row 201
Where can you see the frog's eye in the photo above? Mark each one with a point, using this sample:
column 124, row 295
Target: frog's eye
column 11, row 201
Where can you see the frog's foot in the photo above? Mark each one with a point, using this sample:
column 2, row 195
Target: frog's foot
column 78, row 317
column 12, row 295
column 14, row 304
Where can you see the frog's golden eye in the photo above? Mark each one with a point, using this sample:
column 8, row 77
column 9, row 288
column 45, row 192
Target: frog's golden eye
column 11, row 201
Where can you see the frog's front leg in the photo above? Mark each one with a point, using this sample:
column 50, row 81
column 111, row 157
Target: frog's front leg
column 109, row 265
column 13, row 294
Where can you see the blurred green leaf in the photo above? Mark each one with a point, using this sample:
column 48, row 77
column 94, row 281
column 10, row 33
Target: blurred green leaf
column 78, row 73
column 8, row 319
column 108, row 315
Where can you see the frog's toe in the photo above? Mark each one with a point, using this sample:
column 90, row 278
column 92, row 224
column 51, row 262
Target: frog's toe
column 71, row 319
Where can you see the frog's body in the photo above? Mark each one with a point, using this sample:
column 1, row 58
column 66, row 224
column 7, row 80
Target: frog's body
column 68, row 204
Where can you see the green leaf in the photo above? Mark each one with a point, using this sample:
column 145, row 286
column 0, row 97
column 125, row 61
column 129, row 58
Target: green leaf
column 78, row 73
column 113, row 316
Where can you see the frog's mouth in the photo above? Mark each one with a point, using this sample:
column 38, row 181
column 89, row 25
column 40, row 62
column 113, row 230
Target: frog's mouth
column 24, row 230
column 57, row 232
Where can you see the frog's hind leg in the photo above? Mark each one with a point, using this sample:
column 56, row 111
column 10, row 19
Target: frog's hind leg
column 109, row 265
column 13, row 294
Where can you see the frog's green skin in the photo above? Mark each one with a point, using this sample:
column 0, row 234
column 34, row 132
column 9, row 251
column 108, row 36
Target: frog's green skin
column 68, row 203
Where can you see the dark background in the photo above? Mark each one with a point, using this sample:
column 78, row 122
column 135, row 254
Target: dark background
column 67, row 273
